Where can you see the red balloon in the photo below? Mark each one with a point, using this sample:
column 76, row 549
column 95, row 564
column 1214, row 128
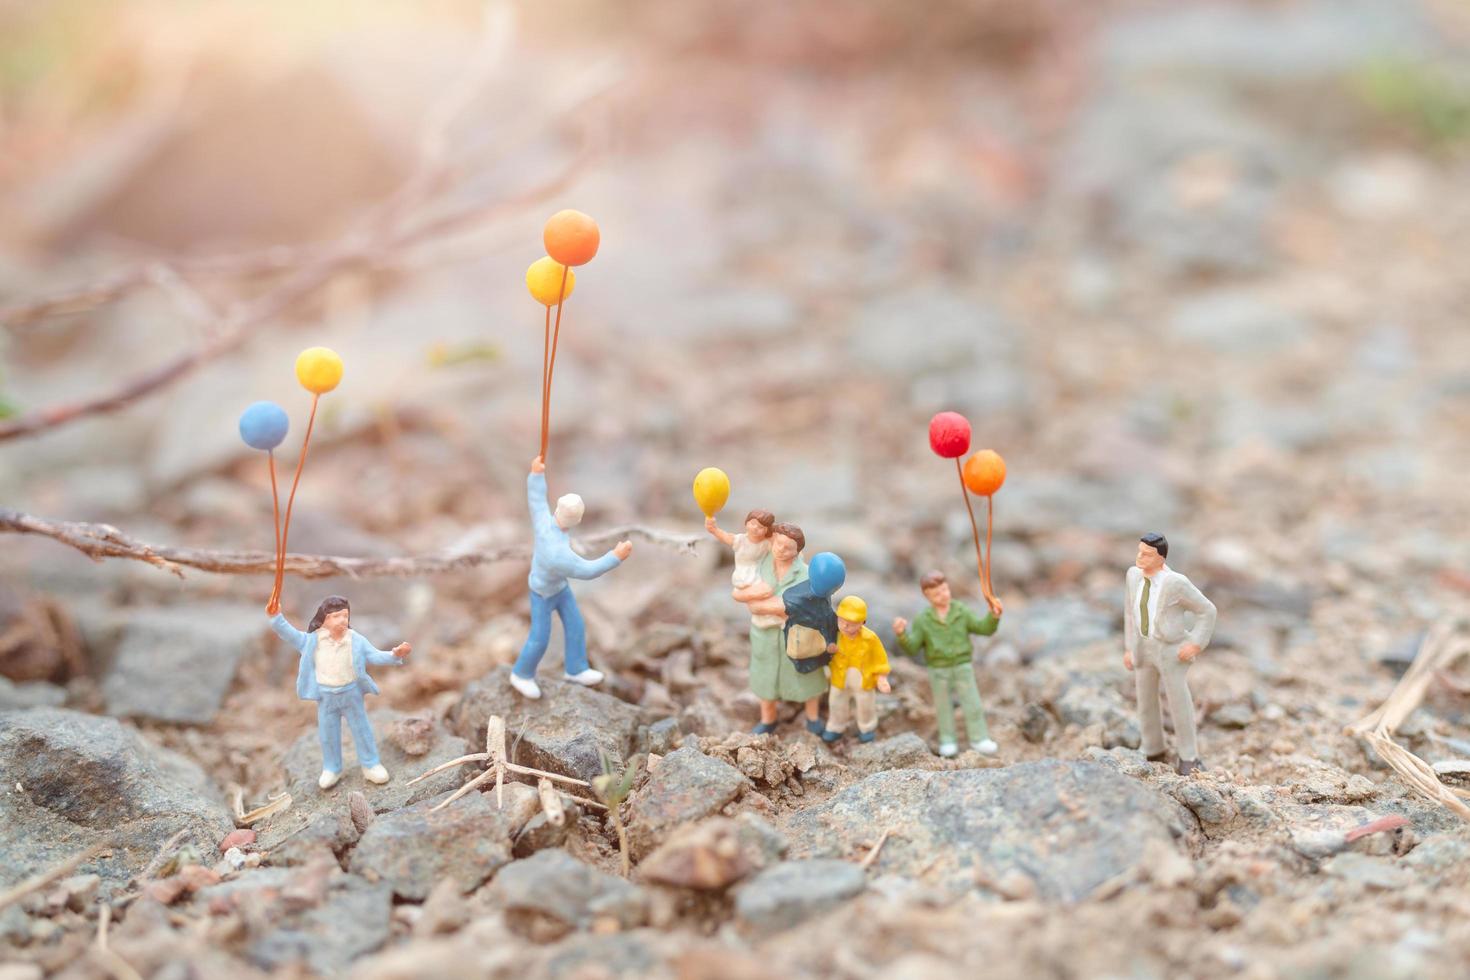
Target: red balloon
column 949, row 435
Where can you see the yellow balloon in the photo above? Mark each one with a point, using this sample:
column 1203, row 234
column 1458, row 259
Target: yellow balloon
column 711, row 490
column 543, row 279
column 319, row 369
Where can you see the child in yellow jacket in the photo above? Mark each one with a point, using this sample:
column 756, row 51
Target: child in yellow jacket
column 859, row 672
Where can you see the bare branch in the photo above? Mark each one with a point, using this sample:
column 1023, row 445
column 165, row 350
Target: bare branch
column 99, row 541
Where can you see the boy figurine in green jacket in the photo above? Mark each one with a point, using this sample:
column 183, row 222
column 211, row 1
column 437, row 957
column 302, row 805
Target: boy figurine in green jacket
column 942, row 633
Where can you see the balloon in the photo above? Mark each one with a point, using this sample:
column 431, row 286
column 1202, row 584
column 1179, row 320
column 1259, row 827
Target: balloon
column 318, row 369
column 543, row 279
column 949, row 435
column 984, row 472
column 571, row 238
column 711, row 490
column 264, row 425
column 826, row 573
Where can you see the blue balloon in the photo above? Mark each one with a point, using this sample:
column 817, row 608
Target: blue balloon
column 826, row 573
column 264, row 425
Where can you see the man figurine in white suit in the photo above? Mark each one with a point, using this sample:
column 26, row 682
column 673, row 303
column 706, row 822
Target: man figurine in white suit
column 1166, row 623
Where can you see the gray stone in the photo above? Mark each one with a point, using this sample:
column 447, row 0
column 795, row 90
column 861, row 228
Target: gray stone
column 1211, row 807
column 1439, row 853
column 309, row 834
column 900, row 751
column 30, row 694
column 633, row 955
column 1050, row 627
column 315, row 915
column 303, row 764
column 788, row 893
column 176, row 664
column 72, row 780
column 705, row 856
column 1375, row 872
column 562, row 732
column 664, row 736
column 687, row 785
column 1068, row 826
column 1236, row 714
column 1035, row 720
column 412, row 849
column 540, row 833
column 551, row 893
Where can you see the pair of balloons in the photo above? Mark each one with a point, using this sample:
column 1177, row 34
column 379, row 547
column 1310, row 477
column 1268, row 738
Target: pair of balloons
column 571, row 239
column 264, row 425
column 949, row 437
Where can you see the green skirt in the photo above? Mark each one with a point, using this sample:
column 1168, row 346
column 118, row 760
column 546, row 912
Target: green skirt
column 773, row 677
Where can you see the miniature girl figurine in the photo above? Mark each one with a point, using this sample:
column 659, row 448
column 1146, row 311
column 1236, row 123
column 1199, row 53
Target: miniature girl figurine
column 749, row 547
column 333, row 673
column 859, row 671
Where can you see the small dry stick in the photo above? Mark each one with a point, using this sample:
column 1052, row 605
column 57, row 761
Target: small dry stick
column 499, row 765
column 1445, row 643
column 872, row 855
column 104, row 956
column 39, row 881
column 556, row 814
column 99, row 541
column 163, row 852
column 278, row 804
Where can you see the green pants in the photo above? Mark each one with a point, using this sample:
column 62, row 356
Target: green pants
column 958, row 680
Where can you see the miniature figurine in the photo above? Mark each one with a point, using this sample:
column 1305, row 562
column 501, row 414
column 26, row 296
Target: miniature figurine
column 1159, row 643
column 333, row 673
column 749, row 548
column 859, row 670
column 552, row 565
column 810, row 634
column 942, row 634
column 773, row 675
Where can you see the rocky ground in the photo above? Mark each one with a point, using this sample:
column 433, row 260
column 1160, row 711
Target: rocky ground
column 1188, row 268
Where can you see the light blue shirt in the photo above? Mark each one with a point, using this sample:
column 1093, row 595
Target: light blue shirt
column 363, row 653
column 554, row 561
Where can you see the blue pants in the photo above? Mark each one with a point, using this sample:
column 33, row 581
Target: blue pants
column 344, row 702
column 565, row 606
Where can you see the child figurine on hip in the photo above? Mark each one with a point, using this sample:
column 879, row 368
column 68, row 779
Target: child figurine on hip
column 333, row 673
column 859, row 671
column 1159, row 644
column 942, row 634
column 748, row 547
column 553, row 564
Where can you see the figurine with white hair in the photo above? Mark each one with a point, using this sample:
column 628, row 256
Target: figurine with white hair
column 553, row 564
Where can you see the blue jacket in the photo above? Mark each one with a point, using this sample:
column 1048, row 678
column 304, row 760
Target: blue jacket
column 554, row 561
column 363, row 653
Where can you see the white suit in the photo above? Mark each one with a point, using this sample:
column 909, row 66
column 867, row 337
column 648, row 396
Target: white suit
column 1181, row 615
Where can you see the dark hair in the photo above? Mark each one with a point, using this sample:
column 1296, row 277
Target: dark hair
column 1157, row 542
column 762, row 517
column 331, row 604
column 930, row 580
column 791, row 531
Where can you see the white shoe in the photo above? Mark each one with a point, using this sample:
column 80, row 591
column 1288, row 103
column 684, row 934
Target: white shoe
column 328, row 779
column 375, row 774
column 526, row 685
column 985, row 746
column 586, row 677
column 948, row 749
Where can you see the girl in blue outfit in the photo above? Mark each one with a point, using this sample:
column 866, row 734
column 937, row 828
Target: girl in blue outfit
column 333, row 673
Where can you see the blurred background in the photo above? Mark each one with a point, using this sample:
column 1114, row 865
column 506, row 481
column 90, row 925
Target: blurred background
column 1189, row 267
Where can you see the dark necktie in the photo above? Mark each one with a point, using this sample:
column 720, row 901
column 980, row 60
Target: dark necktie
column 1143, row 606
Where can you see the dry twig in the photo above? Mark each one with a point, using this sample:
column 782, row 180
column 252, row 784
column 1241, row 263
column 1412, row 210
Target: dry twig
column 1445, row 643
column 99, row 541
column 872, row 855
column 103, row 954
column 499, row 765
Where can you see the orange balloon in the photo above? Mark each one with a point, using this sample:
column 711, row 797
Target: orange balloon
column 571, row 237
column 985, row 472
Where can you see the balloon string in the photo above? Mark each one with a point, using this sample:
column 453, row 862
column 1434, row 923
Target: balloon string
column 545, row 358
column 551, row 367
column 275, row 500
column 291, row 500
column 980, row 559
column 989, row 532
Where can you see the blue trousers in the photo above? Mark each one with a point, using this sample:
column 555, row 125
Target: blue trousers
column 565, row 606
column 336, row 704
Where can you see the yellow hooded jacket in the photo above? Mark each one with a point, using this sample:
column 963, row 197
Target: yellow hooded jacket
column 865, row 652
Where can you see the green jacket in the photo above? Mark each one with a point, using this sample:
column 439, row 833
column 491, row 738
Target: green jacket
column 946, row 644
